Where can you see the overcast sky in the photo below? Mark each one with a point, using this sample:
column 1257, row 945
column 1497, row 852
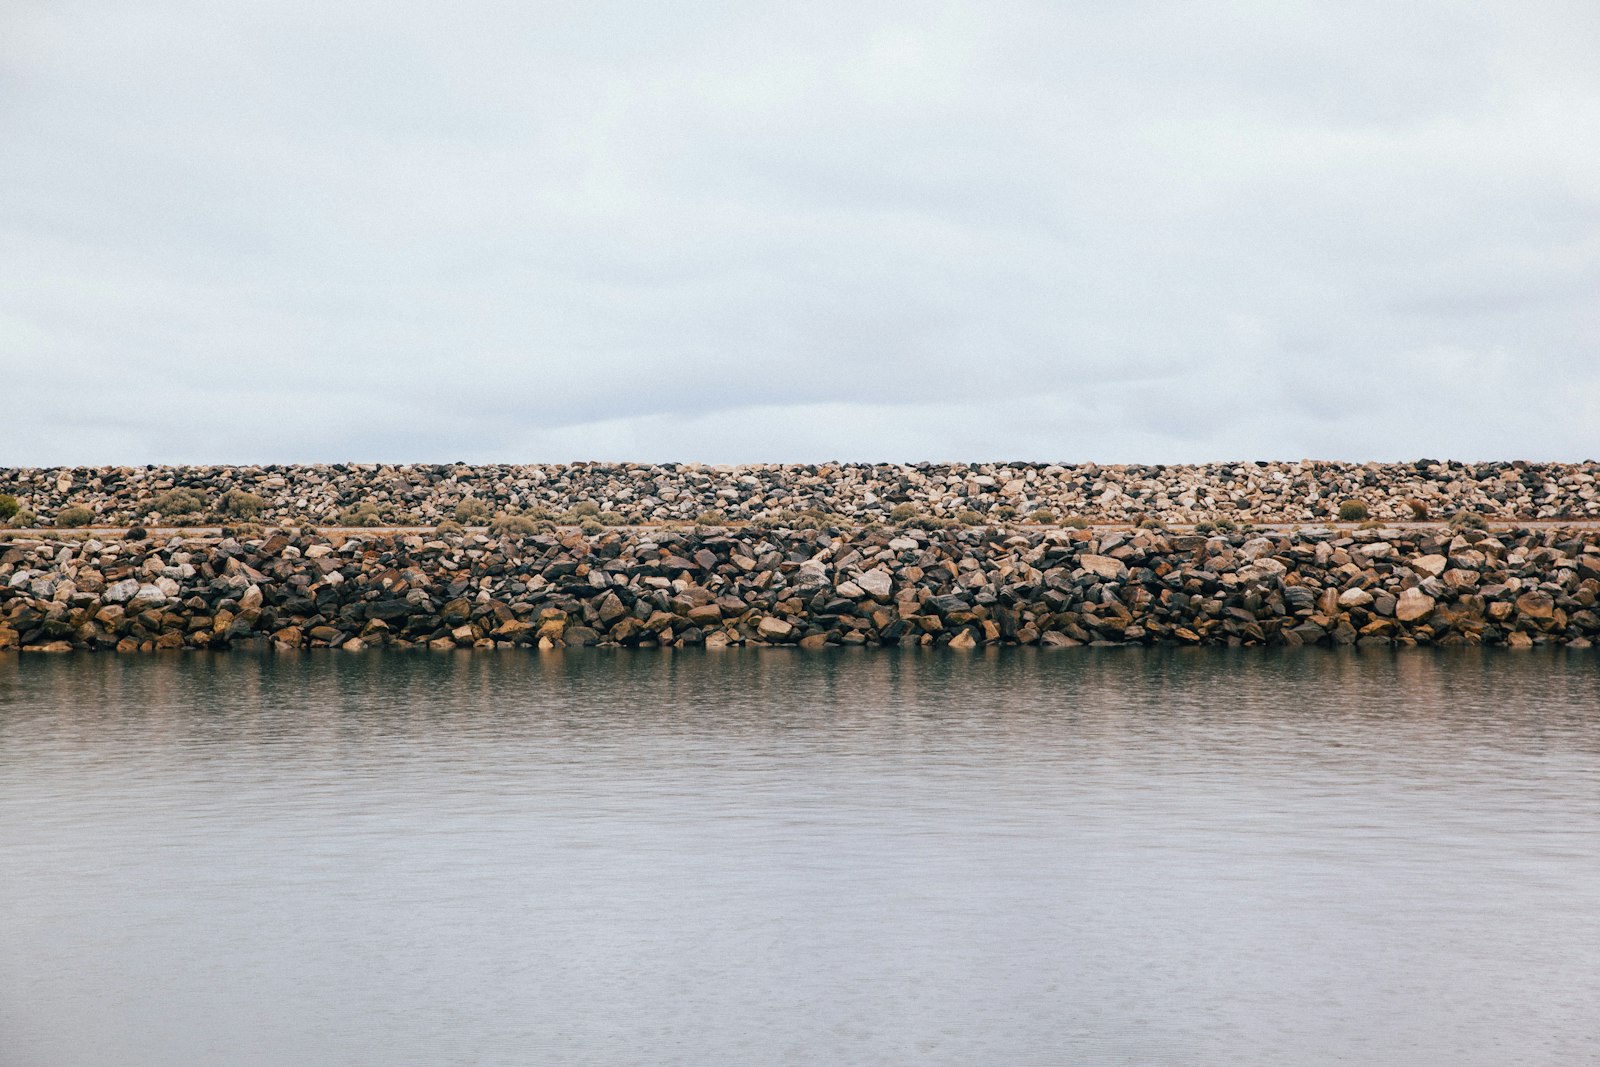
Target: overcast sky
column 1120, row 231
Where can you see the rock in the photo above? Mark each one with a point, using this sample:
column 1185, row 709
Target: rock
column 964, row 639
column 1355, row 598
column 1413, row 604
column 1102, row 566
column 876, row 583
column 772, row 629
column 121, row 592
column 1536, row 605
column 1430, row 566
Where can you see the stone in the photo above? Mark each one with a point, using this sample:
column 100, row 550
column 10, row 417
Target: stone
column 1536, row 605
column 1413, row 604
column 1355, row 598
column 772, row 629
column 1430, row 566
column 1102, row 566
column 876, row 583
column 121, row 592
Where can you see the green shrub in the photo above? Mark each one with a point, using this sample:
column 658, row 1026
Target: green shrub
column 1075, row 522
column 74, row 516
column 584, row 508
column 176, row 503
column 592, row 526
column 1226, row 525
column 711, row 518
column 238, row 504
column 1352, row 511
column 1204, row 526
column 1152, row 523
column 8, row 506
column 903, row 513
column 1043, row 516
column 613, row 518
column 472, row 512
column 365, row 513
column 449, row 528
column 24, row 519
column 1006, row 511
column 968, row 517
column 540, row 513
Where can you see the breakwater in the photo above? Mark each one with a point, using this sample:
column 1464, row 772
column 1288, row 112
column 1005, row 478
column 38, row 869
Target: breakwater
column 426, row 494
column 949, row 586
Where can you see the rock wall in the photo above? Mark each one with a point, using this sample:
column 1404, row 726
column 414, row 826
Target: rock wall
column 423, row 495
column 855, row 586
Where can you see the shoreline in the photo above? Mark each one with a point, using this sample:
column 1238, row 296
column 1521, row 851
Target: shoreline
column 865, row 586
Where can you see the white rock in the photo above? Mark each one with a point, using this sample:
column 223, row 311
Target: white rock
column 121, row 592
column 1355, row 598
column 876, row 583
column 1103, row 566
column 1412, row 605
column 1430, row 566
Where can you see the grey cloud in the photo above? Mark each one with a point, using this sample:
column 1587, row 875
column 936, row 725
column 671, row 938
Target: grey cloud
column 1146, row 231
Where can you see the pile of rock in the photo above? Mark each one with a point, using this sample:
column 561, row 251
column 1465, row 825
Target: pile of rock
column 960, row 588
column 635, row 493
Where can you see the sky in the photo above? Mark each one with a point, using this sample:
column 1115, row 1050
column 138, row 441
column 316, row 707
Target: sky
column 740, row 232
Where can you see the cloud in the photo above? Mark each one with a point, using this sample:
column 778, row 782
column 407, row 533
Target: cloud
column 716, row 232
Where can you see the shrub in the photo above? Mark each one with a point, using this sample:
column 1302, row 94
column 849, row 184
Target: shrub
column 591, row 526
column 1419, row 510
column 472, row 512
column 584, row 508
column 244, row 531
column 1469, row 520
column 24, row 519
column 540, row 513
column 1205, row 526
column 711, row 518
column 1043, row 516
column 613, row 518
column 74, row 516
column 1352, row 511
column 508, row 525
column 449, row 527
column 903, row 513
column 365, row 513
column 175, row 503
column 1225, row 525
column 1152, row 523
column 1006, row 511
column 238, row 504
column 8, row 506
column 968, row 517
column 1075, row 522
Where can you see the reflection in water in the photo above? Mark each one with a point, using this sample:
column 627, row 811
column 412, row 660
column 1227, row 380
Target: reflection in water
column 766, row 857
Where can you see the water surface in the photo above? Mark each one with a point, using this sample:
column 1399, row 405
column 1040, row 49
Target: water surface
column 1165, row 857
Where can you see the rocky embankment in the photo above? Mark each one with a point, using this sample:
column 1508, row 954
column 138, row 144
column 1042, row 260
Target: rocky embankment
column 815, row 587
column 632, row 493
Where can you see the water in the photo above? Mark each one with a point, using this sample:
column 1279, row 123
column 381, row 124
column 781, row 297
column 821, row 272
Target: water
column 767, row 858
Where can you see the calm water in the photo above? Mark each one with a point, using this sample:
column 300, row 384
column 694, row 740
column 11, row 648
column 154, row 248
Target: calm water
column 767, row 858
